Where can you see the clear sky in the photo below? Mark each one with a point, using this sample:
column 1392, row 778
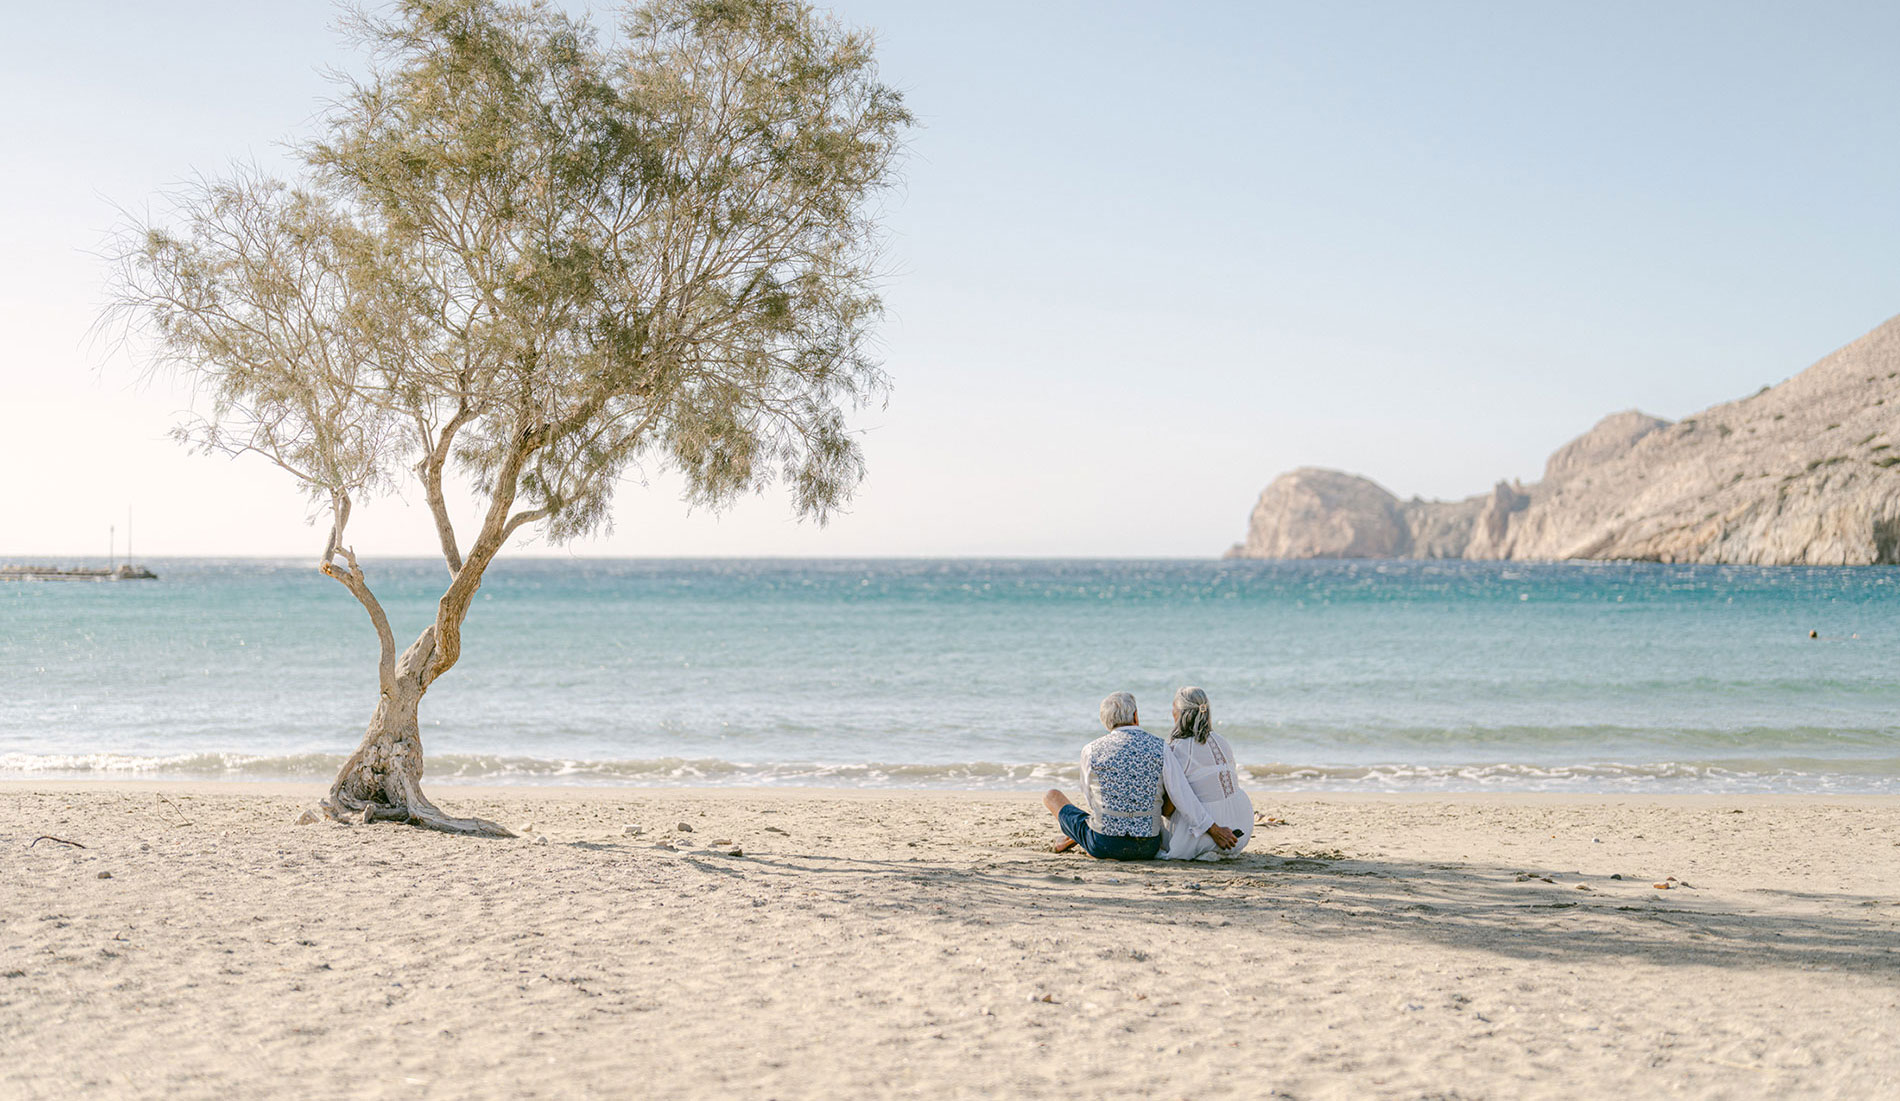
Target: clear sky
column 1147, row 257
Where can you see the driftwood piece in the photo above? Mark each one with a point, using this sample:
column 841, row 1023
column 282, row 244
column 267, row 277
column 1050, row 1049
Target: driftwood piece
column 50, row 837
column 185, row 821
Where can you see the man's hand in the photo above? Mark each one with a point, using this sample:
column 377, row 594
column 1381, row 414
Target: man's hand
column 1222, row 836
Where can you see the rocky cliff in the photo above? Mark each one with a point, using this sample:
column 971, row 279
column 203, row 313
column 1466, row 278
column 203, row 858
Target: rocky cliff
column 1314, row 513
column 1804, row 473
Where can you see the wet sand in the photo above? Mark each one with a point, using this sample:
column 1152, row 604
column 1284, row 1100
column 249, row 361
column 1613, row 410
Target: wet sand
column 894, row 944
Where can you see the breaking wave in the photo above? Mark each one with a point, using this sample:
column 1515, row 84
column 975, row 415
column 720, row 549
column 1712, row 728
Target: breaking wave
column 1792, row 775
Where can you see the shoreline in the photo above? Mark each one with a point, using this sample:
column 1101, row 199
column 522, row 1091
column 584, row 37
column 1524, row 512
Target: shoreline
column 925, row 943
column 1587, row 780
column 623, row 792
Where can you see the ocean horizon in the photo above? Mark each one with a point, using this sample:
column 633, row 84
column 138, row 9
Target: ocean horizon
column 1357, row 675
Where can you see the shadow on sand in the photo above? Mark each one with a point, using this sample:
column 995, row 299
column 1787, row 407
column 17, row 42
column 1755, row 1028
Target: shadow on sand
column 1492, row 909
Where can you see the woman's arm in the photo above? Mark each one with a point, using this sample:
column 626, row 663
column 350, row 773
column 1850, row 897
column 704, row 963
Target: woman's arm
column 1174, row 785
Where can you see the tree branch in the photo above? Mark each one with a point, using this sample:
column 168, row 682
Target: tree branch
column 453, row 607
column 351, row 578
column 528, row 517
column 430, row 470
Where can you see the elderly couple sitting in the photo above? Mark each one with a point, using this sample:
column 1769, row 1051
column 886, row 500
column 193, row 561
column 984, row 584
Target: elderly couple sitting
column 1177, row 800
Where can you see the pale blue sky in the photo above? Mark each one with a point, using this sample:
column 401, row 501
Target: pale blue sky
column 1147, row 257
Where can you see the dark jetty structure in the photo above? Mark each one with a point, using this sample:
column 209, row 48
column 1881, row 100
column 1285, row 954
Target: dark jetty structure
column 127, row 572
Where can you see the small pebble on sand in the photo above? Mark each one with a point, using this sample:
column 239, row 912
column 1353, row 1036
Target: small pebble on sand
column 632, row 830
column 684, row 827
column 105, row 875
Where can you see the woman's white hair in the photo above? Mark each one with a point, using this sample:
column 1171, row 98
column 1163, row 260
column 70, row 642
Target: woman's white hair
column 1118, row 710
column 1193, row 718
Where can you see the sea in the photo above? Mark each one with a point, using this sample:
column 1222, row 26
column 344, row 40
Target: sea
column 983, row 674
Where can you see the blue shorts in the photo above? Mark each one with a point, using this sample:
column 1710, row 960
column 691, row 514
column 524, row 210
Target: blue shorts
column 1101, row 846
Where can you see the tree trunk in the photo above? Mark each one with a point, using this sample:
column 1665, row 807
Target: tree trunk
column 382, row 780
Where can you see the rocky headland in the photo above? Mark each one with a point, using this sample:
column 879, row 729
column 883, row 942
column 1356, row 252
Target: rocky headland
column 1804, row 473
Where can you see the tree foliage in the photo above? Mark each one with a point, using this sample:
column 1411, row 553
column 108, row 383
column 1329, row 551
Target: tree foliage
column 546, row 252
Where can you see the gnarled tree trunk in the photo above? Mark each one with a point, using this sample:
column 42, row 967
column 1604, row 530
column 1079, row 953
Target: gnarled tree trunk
column 382, row 780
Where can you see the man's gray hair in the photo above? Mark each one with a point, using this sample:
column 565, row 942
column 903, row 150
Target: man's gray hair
column 1118, row 710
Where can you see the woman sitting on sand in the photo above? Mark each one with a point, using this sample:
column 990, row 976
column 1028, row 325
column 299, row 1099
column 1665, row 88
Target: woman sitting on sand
column 1212, row 772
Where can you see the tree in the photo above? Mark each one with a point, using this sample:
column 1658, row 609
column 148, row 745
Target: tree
column 523, row 254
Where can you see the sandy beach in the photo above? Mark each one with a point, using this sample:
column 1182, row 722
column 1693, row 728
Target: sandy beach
column 890, row 944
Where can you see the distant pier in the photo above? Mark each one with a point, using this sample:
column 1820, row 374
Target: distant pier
column 127, row 572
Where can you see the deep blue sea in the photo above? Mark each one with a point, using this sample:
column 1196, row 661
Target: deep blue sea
column 1403, row 676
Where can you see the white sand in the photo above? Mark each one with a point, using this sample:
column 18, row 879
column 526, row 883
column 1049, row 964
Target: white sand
column 897, row 944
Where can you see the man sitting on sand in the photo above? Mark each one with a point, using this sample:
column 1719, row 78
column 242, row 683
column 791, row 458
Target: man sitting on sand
column 1127, row 775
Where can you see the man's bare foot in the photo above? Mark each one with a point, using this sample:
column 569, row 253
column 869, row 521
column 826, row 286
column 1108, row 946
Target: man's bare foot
column 1063, row 845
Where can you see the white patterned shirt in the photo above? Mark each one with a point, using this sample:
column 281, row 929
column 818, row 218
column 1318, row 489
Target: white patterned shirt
column 1124, row 773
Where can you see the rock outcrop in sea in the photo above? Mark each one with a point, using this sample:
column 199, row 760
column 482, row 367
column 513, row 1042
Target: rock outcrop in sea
column 1804, row 473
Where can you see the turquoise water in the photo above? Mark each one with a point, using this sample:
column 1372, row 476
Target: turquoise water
column 1325, row 675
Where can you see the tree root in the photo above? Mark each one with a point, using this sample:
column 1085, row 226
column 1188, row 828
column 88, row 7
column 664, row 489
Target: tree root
column 415, row 809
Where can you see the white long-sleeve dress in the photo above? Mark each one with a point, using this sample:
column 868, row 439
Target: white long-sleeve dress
column 1215, row 777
